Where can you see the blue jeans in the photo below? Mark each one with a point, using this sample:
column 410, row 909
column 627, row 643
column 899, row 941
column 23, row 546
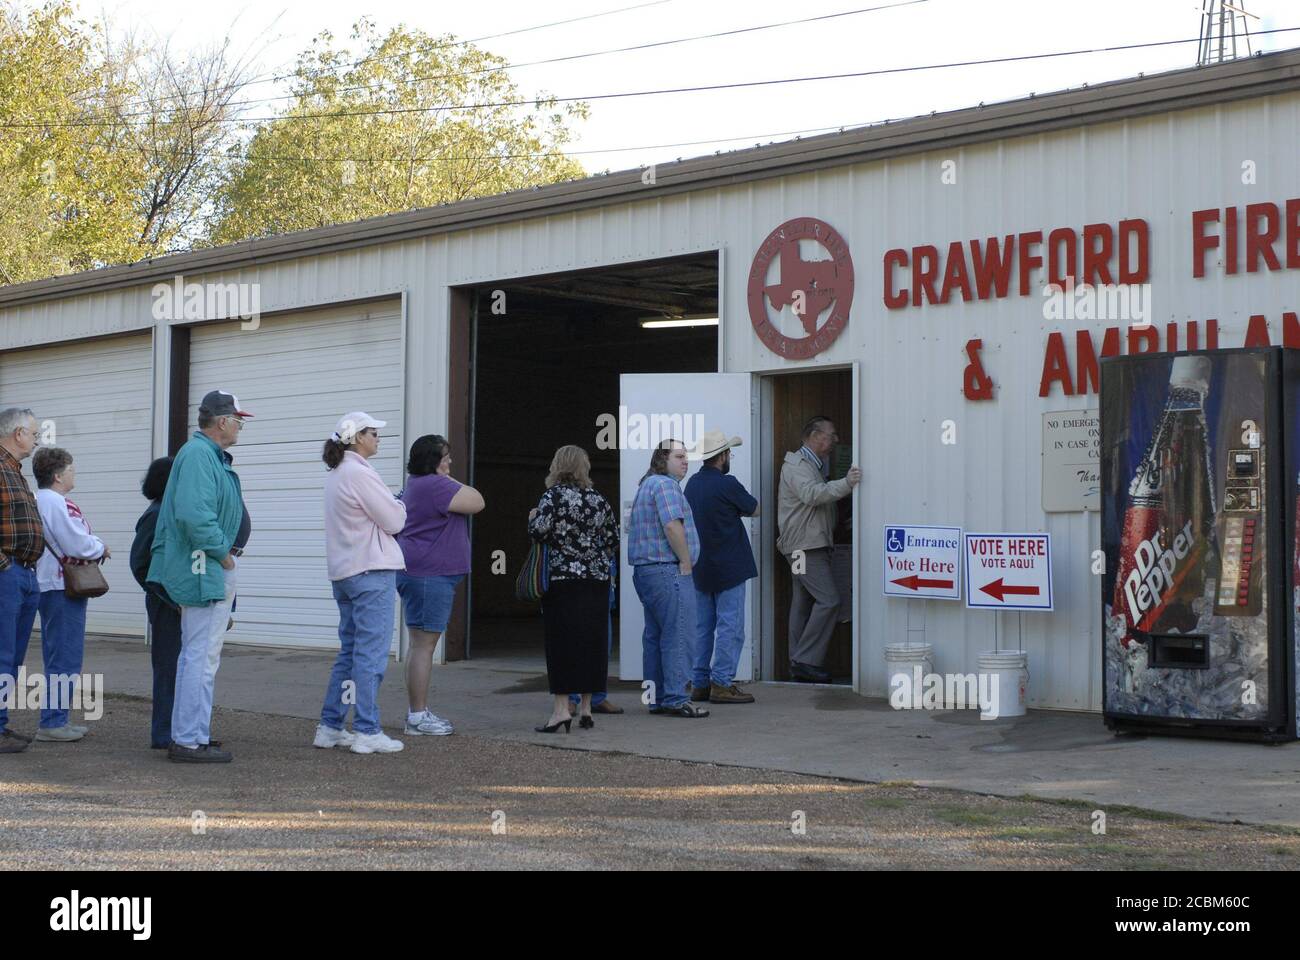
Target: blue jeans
column 669, row 602
column 721, row 615
column 164, row 651
column 20, row 595
column 63, row 644
column 366, row 620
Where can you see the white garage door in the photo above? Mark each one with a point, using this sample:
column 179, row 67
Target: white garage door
column 97, row 396
column 297, row 375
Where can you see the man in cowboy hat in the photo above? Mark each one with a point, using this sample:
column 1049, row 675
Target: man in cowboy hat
column 719, row 501
column 806, row 524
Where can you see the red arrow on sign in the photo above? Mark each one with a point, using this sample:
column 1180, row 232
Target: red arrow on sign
column 998, row 590
column 914, row 582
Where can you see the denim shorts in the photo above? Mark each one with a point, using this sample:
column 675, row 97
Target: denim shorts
column 426, row 601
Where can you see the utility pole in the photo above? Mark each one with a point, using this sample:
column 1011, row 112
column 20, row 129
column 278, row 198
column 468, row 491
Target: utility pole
column 1222, row 24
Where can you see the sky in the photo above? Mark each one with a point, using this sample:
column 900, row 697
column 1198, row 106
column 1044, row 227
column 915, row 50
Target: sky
column 637, row 131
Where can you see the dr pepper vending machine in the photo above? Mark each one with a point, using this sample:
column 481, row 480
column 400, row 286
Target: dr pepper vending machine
column 1199, row 458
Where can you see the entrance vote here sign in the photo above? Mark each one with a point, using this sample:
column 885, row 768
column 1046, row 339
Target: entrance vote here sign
column 923, row 562
column 1008, row 571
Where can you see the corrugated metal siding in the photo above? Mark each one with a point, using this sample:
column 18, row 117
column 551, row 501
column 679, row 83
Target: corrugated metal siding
column 97, row 397
column 297, row 375
column 1159, row 168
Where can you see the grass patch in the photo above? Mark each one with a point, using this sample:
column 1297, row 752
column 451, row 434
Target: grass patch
column 960, row 817
column 886, row 803
column 1040, row 833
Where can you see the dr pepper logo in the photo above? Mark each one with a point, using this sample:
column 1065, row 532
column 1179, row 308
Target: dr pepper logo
column 818, row 291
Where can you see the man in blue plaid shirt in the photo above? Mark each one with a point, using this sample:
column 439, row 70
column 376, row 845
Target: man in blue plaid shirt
column 662, row 547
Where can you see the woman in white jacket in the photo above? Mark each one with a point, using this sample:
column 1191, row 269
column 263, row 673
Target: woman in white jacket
column 63, row 619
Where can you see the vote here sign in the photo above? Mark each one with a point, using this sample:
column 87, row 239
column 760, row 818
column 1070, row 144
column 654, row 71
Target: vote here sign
column 922, row 562
column 1008, row 571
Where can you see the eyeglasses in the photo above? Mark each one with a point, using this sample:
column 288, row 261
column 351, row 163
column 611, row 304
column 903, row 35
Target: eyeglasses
column 238, row 421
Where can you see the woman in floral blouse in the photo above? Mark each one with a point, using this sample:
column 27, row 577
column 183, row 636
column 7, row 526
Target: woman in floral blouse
column 580, row 531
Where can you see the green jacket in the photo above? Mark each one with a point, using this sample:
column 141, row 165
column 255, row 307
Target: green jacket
column 200, row 513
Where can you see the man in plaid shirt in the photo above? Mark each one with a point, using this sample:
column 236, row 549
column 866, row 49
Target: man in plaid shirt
column 662, row 547
column 21, row 544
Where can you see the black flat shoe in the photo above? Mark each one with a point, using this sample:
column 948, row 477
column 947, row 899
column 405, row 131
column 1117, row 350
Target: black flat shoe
column 586, row 723
column 551, row 728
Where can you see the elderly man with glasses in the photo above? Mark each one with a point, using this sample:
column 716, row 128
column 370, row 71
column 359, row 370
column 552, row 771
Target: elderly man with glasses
column 194, row 562
column 21, row 544
column 806, row 525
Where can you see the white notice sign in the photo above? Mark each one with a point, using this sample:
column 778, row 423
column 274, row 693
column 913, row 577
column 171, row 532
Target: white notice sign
column 922, row 562
column 1071, row 461
column 1008, row 571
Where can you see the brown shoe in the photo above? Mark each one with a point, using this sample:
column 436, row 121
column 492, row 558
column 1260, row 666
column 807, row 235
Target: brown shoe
column 10, row 742
column 699, row 694
column 731, row 694
column 606, row 707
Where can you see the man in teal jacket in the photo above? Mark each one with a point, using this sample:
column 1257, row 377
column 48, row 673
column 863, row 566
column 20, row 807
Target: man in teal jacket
column 193, row 561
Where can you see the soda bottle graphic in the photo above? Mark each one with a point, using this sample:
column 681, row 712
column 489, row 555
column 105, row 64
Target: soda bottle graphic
column 1168, row 531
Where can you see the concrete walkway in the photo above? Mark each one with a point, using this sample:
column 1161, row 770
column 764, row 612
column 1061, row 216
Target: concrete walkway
column 812, row 730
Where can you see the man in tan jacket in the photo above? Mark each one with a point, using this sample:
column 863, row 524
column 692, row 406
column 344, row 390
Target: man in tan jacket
column 806, row 523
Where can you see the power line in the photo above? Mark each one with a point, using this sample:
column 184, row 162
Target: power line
column 566, row 153
column 583, row 56
column 704, row 88
column 275, row 78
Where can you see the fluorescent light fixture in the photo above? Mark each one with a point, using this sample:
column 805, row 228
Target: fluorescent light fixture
column 690, row 320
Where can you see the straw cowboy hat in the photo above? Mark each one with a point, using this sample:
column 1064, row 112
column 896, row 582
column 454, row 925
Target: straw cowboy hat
column 712, row 444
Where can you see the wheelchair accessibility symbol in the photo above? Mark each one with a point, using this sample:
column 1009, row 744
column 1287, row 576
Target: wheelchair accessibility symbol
column 895, row 538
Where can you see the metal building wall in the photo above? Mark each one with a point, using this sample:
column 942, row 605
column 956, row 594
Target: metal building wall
column 1159, row 168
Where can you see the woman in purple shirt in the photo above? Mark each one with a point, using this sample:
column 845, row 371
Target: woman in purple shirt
column 435, row 543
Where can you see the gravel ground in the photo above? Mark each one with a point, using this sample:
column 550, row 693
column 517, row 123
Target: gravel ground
column 108, row 802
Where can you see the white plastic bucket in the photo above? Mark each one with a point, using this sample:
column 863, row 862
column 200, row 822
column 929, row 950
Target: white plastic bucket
column 903, row 658
column 1008, row 669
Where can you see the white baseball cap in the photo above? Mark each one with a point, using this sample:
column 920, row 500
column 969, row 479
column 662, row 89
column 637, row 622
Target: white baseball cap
column 350, row 424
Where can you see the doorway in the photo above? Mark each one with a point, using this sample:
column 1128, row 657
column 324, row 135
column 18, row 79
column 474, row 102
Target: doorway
column 544, row 359
column 790, row 400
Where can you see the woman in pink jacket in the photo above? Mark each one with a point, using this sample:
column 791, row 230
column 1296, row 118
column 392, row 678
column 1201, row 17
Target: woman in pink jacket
column 362, row 518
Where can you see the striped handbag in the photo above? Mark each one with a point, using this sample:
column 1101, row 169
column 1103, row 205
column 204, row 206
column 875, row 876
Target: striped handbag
column 534, row 576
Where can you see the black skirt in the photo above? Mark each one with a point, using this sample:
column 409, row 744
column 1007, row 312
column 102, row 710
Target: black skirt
column 576, row 615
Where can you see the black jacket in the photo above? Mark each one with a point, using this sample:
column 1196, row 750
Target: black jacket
column 141, row 554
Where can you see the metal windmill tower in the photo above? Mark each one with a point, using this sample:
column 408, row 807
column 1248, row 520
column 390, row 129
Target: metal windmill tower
column 1223, row 26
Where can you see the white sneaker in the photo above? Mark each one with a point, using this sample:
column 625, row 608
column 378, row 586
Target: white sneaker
column 63, row 734
column 427, row 724
column 376, row 743
column 329, row 737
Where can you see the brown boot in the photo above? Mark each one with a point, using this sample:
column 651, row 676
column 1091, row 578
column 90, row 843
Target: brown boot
column 699, row 694
column 731, row 694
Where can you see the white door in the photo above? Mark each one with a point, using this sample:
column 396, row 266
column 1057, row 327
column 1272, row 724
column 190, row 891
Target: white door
column 297, row 375
column 654, row 407
column 95, row 400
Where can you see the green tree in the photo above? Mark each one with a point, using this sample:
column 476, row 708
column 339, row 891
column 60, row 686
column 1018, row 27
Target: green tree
column 65, row 190
column 367, row 133
column 110, row 150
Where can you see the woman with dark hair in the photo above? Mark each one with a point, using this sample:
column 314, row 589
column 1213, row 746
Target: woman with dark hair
column 68, row 537
column 362, row 517
column 164, row 615
column 578, row 527
column 435, row 545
